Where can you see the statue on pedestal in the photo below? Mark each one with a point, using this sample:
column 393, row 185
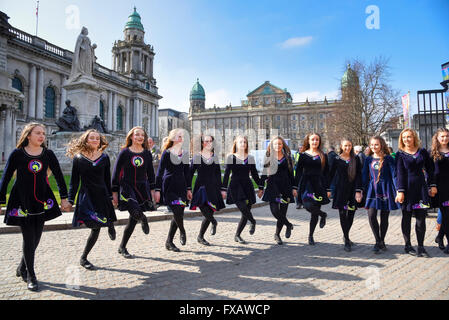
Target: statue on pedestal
column 83, row 57
column 97, row 124
column 69, row 120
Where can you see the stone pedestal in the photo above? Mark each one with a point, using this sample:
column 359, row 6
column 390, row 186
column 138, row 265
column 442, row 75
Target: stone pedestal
column 84, row 95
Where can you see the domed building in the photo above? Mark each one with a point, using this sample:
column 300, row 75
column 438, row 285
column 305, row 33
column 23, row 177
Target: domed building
column 127, row 94
column 197, row 97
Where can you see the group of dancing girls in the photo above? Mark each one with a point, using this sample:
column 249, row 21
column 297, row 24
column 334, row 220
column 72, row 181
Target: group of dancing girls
column 383, row 184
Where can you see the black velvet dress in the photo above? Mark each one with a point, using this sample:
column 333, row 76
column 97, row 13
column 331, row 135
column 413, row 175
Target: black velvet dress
column 133, row 177
column 93, row 206
column 240, row 187
column 207, row 190
column 280, row 182
column 344, row 193
column 173, row 178
column 441, row 199
column 411, row 179
column 31, row 194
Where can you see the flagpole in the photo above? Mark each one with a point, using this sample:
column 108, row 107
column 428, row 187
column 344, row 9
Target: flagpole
column 409, row 112
column 37, row 17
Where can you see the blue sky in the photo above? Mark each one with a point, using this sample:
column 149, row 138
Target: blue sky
column 233, row 46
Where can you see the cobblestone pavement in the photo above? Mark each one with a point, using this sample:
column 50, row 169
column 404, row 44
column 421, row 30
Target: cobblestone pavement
column 228, row 270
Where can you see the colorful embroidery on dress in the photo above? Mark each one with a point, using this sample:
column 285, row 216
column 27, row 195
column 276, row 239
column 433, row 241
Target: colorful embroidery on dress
column 35, row 166
column 312, row 196
column 350, row 208
column 316, row 157
column 213, row 207
column 420, row 205
column 94, row 216
column 445, row 204
column 137, row 161
column 18, row 213
column 280, row 200
column 375, row 165
column 179, row 203
column 48, row 204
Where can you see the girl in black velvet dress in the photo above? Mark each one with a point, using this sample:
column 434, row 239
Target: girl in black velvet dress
column 174, row 184
column 207, row 194
column 440, row 156
column 281, row 189
column 347, row 172
column 92, row 169
column 241, row 189
column 32, row 201
column 133, row 177
column 414, row 191
column 312, row 171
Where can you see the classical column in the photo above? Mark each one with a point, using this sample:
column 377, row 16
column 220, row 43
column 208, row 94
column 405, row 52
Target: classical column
column 157, row 121
column 131, row 60
column 2, row 136
column 32, row 93
column 8, row 133
column 40, row 94
column 153, row 121
column 110, row 107
column 114, row 112
column 127, row 112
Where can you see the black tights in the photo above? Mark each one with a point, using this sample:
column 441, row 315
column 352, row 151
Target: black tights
column 177, row 222
column 31, row 233
column 316, row 212
column 279, row 211
column 245, row 209
column 93, row 237
column 208, row 214
column 346, row 220
column 135, row 215
column 420, row 226
column 378, row 231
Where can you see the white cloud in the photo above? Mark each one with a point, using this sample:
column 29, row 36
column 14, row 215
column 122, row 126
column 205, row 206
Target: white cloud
column 315, row 96
column 296, row 42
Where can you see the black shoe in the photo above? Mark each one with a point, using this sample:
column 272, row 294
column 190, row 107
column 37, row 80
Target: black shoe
column 288, row 232
column 440, row 242
column 376, row 248
column 299, row 206
column 382, row 246
column 409, row 249
column 323, row 221
column 347, row 247
column 446, row 251
column 145, row 225
column 170, row 246
column 311, row 241
column 32, row 284
column 213, row 229
column 239, row 240
column 86, row 264
column 202, row 241
column 21, row 273
column 124, row 253
column 422, row 252
column 183, row 238
column 278, row 240
column 252, row 229
column 111, row 232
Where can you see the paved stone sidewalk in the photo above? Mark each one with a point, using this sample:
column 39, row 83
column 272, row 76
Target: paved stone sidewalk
column 227, row 270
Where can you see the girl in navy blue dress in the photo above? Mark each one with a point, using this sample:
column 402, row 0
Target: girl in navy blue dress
column 31, row 200
column 440, row 156
column 347, row 171
column 207, row 194
column 281, row 189
column 379, row 187
column 312, row 174
column 174, row 184
column 133, row 183
column 413, row 190
column 241, row 189
column 92, row 169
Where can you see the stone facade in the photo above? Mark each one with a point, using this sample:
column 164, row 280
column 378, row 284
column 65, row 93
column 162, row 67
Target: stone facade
column 268, row 108
column 127, row 96
column 170, row 119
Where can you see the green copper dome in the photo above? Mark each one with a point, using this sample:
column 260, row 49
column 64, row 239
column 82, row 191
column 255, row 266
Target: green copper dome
column 350, row 77
column 197, row 92
column 134, row 21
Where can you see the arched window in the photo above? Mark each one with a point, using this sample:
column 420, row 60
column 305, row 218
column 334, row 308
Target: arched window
column 101, row 110
column 119, row 118
column 50, row 98
column 17, row 84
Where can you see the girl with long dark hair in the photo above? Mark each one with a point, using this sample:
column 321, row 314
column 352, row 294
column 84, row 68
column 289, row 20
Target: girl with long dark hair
column 312, row 173
column 207, row 194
